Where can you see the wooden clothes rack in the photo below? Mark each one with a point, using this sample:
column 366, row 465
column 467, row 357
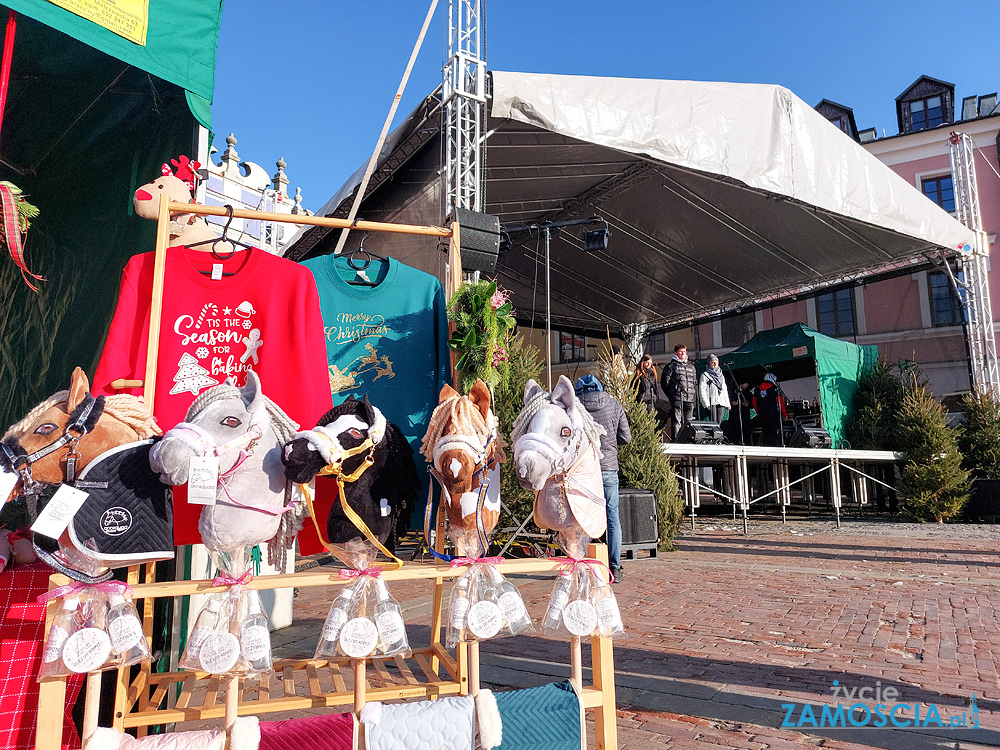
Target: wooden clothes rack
column 144, row 700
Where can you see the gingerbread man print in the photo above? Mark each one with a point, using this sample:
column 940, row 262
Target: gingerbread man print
column 252, row 343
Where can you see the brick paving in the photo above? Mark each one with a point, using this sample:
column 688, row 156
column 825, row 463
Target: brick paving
column 729, row 627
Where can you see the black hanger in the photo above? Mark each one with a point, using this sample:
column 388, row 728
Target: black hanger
column 360, row 253
column 224, row 238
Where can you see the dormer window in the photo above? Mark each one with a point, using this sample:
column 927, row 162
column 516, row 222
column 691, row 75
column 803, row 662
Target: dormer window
column 926, row 113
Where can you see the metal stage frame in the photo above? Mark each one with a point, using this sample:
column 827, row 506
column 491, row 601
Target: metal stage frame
column 736, row 460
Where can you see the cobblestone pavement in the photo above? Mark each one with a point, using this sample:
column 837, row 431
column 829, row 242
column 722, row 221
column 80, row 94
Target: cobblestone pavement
column 728, row 628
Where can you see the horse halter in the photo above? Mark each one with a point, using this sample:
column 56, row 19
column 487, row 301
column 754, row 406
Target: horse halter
column 87, row 413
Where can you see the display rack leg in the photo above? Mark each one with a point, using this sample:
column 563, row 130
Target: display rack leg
column 360, row 685
column 92, row 705
column 576, row 661
column 232, row 702
column 602, row 661
column 474, row 669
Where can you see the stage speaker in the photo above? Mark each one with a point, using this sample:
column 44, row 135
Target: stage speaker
column 810, row 437
column 637, row 513
column 479, row 240
column 701, row 432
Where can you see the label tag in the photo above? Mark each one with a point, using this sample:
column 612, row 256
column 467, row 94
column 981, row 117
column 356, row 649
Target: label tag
column 203, row 480
column 86, row 650
column 8, row 481
column 54, row 519
column 359, row 637
column 216, row 271
column 485, row 619
column 580, row 617
column 362, row 276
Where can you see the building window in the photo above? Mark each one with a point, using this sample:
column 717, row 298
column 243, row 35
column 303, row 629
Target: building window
column 946, row 308
column 738, row 329
column 655, row 344
column 572, row 348
column 835, row 313
column 941, row 191
column 926, row 113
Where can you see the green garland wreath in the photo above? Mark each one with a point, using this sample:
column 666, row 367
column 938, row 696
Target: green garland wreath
column 483, row 318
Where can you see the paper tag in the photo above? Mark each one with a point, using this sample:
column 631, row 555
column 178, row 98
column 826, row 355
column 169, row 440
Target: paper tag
column 203, row 480
column 359, row 637
column 219, row 652
column 54, row 519
column 125, row 632
column 86, row 650
column 580, row 617
column 512, row 606
column 8, row 481
column 216, row 271
column 485, row 619
column 256, row 642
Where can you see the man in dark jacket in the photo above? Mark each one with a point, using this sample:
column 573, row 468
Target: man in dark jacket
column 609, row 414
column 680, row 384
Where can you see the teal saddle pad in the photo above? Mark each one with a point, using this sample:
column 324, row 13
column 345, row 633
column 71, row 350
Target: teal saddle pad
column 541, row 717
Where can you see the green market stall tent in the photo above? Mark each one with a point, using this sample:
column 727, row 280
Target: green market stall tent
column 798, row 351
column 90, row 116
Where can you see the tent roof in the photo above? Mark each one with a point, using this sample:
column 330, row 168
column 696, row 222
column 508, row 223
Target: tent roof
column 181, row 40
column 719, row 197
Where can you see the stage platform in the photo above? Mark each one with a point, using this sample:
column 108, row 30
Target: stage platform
column 856, row 466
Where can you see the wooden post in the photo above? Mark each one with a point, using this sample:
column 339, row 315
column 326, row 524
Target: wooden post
column 156, row 310
column 232, row 702
column 51, row 691
column 602, row 662
column 576, row 661
column 360, row 685
column 474, row 668
column 91, row 706
column 454, row 261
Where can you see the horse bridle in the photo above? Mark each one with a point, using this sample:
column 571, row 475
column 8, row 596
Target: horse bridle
column 90, row 411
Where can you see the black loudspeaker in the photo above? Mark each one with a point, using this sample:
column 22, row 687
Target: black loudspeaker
column 479, row 239
column 637, row 513
column 810, row 437
column 700, row 431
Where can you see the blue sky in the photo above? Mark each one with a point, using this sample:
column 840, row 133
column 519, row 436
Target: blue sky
column 312, row 81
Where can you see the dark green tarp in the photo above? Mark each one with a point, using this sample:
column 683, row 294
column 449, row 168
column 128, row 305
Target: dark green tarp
column 181, row 41
column 81, row 131
column 798, row 351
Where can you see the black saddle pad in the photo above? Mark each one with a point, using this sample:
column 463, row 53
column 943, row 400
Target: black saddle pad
column 128, row 516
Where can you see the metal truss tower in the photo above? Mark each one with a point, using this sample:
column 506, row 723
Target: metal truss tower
column 464, row 96
column 975, row 269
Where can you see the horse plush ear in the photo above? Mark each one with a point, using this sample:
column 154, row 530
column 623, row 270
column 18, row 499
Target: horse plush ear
column 78, row 387
column 446, row 392
column 563, row 394
column 251, row 394
column 480, row 396
column 369, row 411
column 531, row 389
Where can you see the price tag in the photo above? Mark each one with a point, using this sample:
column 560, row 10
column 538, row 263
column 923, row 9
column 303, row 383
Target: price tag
column 203, row 480
column 8, row 481
column 54, row 519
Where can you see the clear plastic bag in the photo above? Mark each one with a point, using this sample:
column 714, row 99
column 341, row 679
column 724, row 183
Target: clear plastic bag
column 485, row 605
column 583, row 604
column 78, row 641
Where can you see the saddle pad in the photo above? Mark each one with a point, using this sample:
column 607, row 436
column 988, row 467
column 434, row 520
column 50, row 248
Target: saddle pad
column 128, row 514
column 105, row 738
column 549, row 716
column 444, row 724
column 328, row 732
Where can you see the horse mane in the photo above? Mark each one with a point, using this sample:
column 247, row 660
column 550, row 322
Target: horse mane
column 284, row 427
column 346, row 407
column 458, row 411
column 591, row 429
column 125, row 408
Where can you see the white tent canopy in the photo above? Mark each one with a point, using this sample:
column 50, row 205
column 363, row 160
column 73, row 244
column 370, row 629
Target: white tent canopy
column 719, row 197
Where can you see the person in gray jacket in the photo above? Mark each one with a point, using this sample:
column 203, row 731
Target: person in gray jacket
column 608, row 412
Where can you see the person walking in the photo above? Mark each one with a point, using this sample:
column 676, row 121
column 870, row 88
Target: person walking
column 712, row 390
column 608, row 412
column 680, row 385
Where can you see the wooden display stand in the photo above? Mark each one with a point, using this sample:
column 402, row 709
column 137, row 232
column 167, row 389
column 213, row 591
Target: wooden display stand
column 145, row 700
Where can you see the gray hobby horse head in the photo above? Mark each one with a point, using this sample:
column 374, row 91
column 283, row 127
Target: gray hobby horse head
column 244, row 430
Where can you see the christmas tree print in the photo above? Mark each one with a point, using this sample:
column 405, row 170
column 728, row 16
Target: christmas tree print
column 191, row 376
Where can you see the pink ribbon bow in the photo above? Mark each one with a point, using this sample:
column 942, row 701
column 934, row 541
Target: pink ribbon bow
column 349, row 573
column 224, row 579
column 459, row 561
column 567, row 568
column 108, row 587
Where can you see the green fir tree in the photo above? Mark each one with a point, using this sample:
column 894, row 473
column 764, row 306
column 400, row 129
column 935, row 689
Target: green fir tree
column 874, row 413
column 979, row 439
column 932, row 481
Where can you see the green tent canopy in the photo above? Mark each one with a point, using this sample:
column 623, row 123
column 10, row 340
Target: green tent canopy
column 798, row 351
